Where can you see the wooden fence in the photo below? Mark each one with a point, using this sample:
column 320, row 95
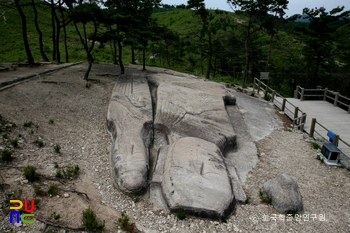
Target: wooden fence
column 295, row 114
column 323, row 94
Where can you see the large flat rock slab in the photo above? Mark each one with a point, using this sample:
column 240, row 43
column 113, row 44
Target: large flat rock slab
column 129, row 120
column 195, row 179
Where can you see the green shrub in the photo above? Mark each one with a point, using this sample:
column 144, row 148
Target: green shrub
column 51, row 121
column 137, row 199
column 315, row 145
column 28, row 124
column 181, row 215
column 72, row 171
column 319, row 157
column 53, row 189
column 90, row 221
column 14, row 143
column 5, row 136
column 55, row 216
column 57, row 148
column 16, row 195
column 39, row 143
column 59, row 174
column 38, row 191
column 55, row 164
column 124, row 224
column 265, row 198
column 6, row 155
column 247, row 201
column 30, row 173
column 37, row 202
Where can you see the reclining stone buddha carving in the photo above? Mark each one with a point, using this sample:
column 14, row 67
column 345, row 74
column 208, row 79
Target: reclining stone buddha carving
column 170, row 137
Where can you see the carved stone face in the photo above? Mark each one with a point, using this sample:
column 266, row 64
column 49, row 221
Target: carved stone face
column 171, row 137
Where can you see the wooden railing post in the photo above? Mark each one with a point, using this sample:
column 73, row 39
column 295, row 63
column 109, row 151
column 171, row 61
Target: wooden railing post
column 302, row 94
column 312, row 127
column 296, row 93
column 349, row 109
column 336, row 140
column 296, row 112
column 254, row 85
column 325, row 94
column 273, row 95
column 303, row 122
column 284, row 104
column 265, row 92
column 259, row 83
column 336, row 99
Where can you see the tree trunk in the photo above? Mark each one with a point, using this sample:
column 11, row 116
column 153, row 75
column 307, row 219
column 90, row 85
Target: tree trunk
column 315, row 78
column 115, row 61
column 57, row 39
column 207, row 75
column 245, row 76
column 120, row 50
column 269, row 54
column 133, row 55
column 24, row 33
column 144, row 57
column 90, row 61
column 52, row 5
column 41, row 44
column 65, row 36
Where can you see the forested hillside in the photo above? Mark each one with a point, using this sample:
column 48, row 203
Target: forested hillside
column 225, row 46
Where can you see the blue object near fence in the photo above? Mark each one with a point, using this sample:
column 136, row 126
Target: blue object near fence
column 331, row 135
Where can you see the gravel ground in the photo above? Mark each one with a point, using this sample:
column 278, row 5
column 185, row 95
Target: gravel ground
column 78, row 126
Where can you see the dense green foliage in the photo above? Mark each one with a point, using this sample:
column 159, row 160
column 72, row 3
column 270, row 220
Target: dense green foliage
column 224, row 46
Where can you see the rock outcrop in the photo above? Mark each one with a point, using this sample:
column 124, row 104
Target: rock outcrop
column 173, row 134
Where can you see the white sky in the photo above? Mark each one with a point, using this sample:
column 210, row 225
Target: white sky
column 294, row 6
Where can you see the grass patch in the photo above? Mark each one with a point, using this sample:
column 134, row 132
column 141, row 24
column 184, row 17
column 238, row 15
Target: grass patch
column 264, row 198
column 55, row 216
column 38, row 191
column 57, row 148
column 53, row 189
column 37, row 202
column 247, row 201
column 90, row 221
column 6, row 155
column 16, row 195
column 315, row 145
column 28, row 124
column 39, row 143
column 124, row 224
column 68, row 172
column 5, row 136
column 59, row 174
column 181, row 215
column 319, row 156
column 30, row 173
column 14, row 143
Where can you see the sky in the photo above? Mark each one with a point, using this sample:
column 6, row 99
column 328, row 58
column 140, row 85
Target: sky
column 294, row 6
